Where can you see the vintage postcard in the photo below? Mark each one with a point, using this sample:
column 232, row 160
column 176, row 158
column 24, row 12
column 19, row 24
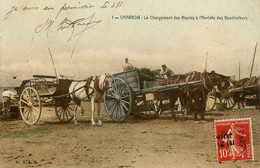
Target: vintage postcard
column 119, row 83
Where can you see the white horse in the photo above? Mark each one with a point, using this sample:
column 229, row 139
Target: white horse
column 93, row 88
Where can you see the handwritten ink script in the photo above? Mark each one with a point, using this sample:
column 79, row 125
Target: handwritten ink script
column 72, row 26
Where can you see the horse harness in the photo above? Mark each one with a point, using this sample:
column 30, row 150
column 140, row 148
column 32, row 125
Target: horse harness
column 191, row 77
column 204, row 81
column 96, row 86
column 87, row 87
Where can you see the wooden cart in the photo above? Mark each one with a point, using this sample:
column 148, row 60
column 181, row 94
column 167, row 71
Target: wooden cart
column 132, row 96
column 42, row 91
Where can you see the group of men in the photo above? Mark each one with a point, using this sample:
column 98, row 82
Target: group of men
column 165, row 72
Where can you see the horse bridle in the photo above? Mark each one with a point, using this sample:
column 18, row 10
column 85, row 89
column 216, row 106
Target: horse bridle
column 104, row 85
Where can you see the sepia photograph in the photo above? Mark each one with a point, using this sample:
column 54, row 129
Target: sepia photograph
column 129, row 84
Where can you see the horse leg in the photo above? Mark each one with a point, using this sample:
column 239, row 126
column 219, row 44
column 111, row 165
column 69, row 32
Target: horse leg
column 75, row 114
column 172, row 103
column 78, row 106
column 202, row 108
column 93, row 110
column 195, row 103
column 98, row 111
column 81, row 110
column 244, row 101
column 235, row 101
column 183, row 104
column 188, row 105
column 240, row 103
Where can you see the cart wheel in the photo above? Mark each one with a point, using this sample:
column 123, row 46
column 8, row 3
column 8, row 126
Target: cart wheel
column 229, row 101
column 30, row 105
column 211, row 101
column 65, row 111
column 147, row 110
column 118, row 104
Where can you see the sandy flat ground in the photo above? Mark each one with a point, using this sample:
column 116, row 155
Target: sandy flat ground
column 133, row 143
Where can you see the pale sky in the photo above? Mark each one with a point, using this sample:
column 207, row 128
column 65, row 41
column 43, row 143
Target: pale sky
column 180, row 44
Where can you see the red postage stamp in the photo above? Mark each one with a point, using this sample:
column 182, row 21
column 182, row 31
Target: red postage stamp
column 234, row 140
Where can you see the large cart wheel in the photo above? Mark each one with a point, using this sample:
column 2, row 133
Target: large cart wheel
column 118, row 104
column 229, row 101
column 65, row 111
column 211, row 101
column 30, row 105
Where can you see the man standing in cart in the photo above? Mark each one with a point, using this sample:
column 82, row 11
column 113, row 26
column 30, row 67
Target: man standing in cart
column 127, row 66
column 166, row 72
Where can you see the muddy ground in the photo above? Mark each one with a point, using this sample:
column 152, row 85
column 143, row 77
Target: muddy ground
column 134, row 143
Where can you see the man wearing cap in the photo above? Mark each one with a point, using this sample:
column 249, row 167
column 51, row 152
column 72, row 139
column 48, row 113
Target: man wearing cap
column 166, row 72
column 7, row 96
column 127, row 66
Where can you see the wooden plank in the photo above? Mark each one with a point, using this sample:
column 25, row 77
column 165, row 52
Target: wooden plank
column 46, row 94
column 44, row 76
column 241, row 89
column 170, row 87
column 131, row 78
column 134, row 87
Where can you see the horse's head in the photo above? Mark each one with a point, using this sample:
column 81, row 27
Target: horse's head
column 222, row 81
column 106, row 81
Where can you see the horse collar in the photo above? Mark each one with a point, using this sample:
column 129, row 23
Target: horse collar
column 204, row 81
column 87, row 86
column 96, row 84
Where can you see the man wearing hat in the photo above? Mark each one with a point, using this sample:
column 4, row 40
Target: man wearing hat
column 127, row 66
column 7, row 96
column 166, row 72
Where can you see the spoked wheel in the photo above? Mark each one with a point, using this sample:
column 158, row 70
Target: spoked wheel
column 118, row 104
column 65, row 111
column 229, row 101
column 211, row 101
column 30, row 105
column 147, row 109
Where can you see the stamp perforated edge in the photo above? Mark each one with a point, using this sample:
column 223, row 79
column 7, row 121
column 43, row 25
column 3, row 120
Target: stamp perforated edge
column 252, row 140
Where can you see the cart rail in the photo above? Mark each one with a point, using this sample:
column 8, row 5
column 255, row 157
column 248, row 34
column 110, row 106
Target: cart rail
column 45, row 76
column 170, row 87
column 241, row 89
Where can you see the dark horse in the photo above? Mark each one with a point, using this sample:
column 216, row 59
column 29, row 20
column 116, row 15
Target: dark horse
column 244, row 87
column 194, row 97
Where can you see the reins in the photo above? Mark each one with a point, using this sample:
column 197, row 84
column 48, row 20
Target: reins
column 74, row 90
column 67, row 94
column 204, row 81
